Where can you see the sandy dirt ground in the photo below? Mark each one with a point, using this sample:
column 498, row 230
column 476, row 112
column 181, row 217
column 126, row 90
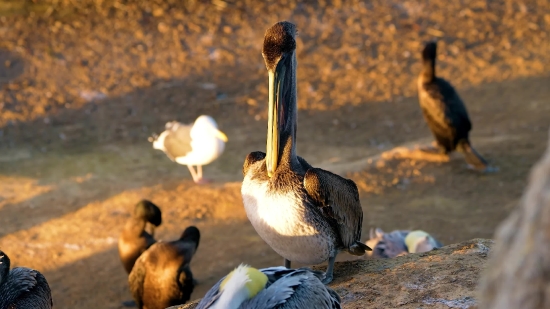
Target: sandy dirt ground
column 84, row 83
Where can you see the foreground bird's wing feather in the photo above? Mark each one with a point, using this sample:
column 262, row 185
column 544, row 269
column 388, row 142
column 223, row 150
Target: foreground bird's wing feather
column 19, row 281
column 339, row 200
column 278, row 292
column 211, row 296
column 178, row 141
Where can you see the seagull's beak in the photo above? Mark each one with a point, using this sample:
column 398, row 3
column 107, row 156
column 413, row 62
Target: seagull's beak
column 219, row 134
column 276, row 115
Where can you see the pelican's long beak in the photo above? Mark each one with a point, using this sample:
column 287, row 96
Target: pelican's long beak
column 276, row 116
column 219, row 134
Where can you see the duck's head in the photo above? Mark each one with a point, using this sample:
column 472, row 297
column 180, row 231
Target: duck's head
column 149, row 212
column 191, row 234
column 239, row 285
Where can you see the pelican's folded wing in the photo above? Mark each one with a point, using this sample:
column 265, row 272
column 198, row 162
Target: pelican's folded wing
column 339, row 199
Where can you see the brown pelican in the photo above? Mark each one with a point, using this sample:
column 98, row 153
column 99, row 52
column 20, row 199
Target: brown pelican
column 269, row 288
column 161, row 276
column 305, row 214
column 445, row 113
column 134, row 239
column 198, row 144
column 22, row 288
column 400, row 242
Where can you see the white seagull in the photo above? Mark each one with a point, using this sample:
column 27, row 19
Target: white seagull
column 198, row 144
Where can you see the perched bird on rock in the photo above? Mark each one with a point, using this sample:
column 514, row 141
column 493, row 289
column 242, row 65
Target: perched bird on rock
column 445, row 113
column 400, row 242
column 162, row 275
column 198, row 144
column 269, row 288
column 22, row 288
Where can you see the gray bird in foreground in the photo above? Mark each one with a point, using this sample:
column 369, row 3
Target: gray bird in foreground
column 306, row 214
column 198, row 144
column 22, row 288
column 445, row 113
column 400, row 242
column 269, row 288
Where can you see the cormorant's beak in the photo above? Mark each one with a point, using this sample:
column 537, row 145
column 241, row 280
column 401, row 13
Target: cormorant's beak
column 276, row 115
column 219, row 134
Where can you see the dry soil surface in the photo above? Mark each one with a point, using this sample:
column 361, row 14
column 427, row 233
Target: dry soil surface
column 84, row 83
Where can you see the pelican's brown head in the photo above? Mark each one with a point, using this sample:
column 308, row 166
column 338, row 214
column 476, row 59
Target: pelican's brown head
column 279, row 40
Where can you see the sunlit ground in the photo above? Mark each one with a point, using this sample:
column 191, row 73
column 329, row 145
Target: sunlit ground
column 83, row 86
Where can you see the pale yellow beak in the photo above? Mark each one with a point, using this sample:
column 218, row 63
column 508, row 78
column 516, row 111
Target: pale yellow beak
column 219, row 134
column 276, row 82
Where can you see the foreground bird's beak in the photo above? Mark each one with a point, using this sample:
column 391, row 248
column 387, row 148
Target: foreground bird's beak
column 219, row 134
column 276, row 82
column 152, row 230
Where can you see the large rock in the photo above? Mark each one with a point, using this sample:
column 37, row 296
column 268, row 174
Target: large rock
column 518, row 274
column 444, row 278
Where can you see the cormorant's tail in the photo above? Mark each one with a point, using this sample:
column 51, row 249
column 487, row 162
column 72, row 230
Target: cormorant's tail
column 358, row 248
column 473, row 158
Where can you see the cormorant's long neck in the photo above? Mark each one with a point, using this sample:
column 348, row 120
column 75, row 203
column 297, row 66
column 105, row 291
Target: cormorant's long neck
column 287, row 149
column 428, row 72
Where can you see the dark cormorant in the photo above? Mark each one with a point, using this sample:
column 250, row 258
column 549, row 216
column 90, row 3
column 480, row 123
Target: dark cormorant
column 445, row 112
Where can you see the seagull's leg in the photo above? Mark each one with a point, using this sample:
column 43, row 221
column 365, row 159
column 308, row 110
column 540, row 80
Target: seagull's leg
column 199, row 171
column 287, row 263
column 193, row 173
column 330, row 270
column 197, row 177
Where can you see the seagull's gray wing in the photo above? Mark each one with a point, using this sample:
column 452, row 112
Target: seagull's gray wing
column 338, row 199
column 211, row 296
column 178, row 141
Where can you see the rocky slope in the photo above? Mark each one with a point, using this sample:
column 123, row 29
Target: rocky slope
column 444, row 278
